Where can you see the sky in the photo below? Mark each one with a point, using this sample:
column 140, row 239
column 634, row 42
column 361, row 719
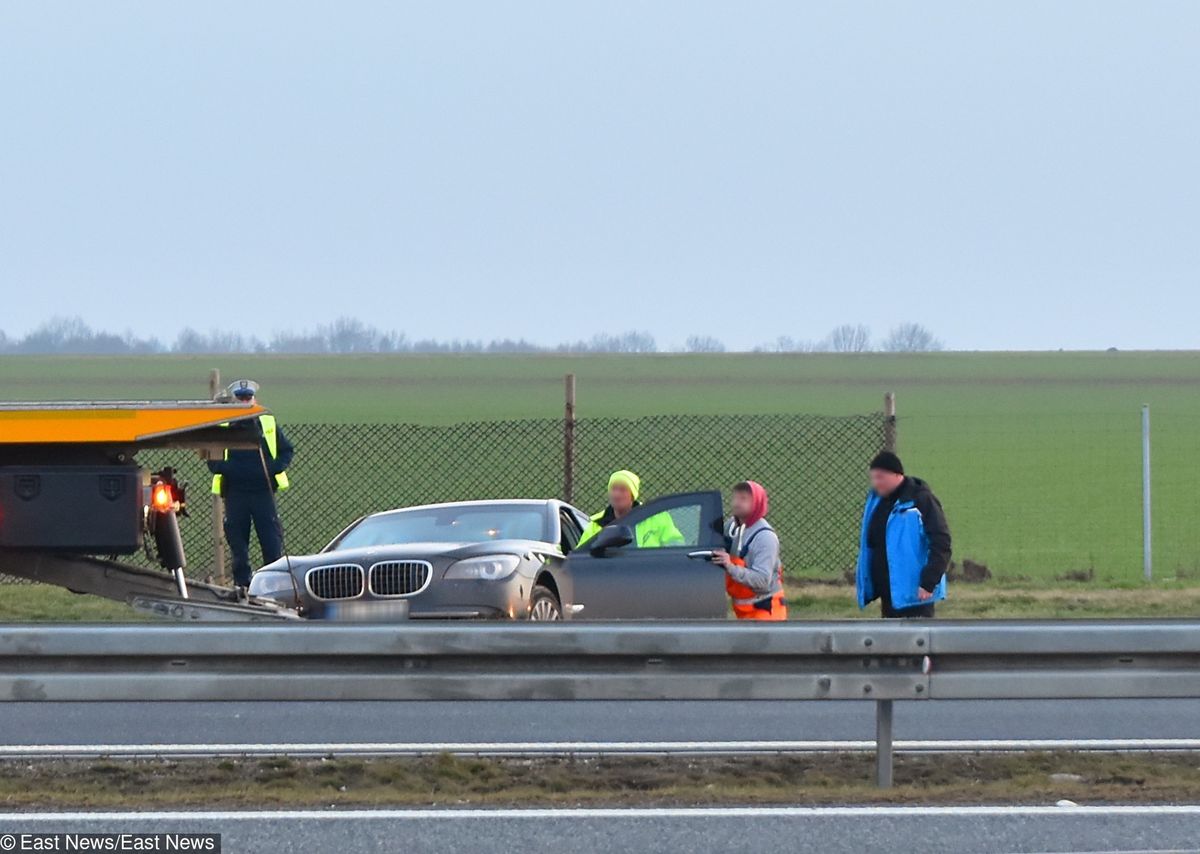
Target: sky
column 1013, row 175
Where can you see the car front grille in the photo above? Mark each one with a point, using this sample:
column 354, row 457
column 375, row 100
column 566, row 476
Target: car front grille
column 339, row 581
column 399, row 577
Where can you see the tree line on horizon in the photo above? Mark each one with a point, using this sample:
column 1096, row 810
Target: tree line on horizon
column 346, row 335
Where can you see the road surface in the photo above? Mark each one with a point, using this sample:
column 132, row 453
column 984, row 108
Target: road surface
column 140, row 723
column 826, row 830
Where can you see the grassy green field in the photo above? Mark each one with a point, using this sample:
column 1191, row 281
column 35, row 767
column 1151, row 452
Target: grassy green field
column 1035, row 456
column 445, row 389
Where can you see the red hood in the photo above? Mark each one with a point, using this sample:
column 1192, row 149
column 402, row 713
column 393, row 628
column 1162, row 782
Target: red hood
column 759, row 508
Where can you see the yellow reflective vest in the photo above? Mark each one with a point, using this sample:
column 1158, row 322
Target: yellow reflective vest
column 268, row 424
column 652, row 533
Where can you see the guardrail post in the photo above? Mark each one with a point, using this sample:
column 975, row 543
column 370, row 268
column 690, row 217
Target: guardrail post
column 883, row 743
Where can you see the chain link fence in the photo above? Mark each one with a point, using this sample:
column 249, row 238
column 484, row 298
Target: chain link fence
column 1052, row 498
column 813, row 467
column 1058, row 496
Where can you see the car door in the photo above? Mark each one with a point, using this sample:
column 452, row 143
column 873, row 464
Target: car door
column 631, row 582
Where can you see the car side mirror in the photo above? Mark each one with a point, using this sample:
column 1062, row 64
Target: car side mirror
column 612, row 537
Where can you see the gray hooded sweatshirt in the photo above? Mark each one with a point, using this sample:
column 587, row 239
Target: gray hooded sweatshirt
column 761, row 572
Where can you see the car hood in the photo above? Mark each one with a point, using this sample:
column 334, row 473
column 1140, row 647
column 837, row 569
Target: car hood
column 412, row 551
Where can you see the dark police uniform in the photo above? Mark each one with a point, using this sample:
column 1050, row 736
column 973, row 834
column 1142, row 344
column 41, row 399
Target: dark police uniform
column 248, row 481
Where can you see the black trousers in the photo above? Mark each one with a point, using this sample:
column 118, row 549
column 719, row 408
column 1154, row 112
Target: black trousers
column 914, row 611
column 884, row 585
column 241, row 510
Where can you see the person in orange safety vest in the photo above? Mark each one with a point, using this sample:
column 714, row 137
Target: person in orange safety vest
column 753, row 571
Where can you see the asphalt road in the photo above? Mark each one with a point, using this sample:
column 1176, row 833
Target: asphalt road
column 141, row 723
column 829, row 831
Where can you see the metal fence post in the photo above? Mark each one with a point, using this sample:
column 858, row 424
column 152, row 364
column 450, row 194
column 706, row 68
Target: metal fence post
column 569, row 440
column 883, row 743
column 889, row 422
column 218, row 505
column 883, row 708
column 1147, row 561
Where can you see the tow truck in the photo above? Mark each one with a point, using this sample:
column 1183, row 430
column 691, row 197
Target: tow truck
column 74, row 501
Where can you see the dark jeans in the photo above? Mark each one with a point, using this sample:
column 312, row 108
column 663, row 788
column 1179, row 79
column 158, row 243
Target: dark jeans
column 884, row 586
column 241, row 509
column 914, row 611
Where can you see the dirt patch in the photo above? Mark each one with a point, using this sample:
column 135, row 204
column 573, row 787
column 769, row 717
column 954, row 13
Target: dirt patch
column 457, row 781
column 971, row 572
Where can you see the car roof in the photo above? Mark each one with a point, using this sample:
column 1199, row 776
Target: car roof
column 529, row 502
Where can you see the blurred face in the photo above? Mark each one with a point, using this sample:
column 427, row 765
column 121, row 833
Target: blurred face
column 620, row 498
column 885, row 482
column 741, row 503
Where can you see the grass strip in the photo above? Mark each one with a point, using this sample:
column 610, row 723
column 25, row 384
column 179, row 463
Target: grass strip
column 450, row 781
column 808, row 600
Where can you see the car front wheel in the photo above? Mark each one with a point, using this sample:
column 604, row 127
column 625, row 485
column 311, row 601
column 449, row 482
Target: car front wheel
column 544, row 605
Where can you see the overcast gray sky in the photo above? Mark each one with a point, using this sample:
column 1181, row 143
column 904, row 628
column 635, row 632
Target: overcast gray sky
column 1013, row 174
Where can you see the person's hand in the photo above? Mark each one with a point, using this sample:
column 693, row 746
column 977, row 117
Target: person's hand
column 721, row 558
column 923, row 594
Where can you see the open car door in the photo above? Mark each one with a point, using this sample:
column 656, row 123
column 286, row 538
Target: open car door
column 666, row 576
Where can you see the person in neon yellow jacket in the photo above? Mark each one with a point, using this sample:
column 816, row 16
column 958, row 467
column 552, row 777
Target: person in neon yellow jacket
column 624, row 487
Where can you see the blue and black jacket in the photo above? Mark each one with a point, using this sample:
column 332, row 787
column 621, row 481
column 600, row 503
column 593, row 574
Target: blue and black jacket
column 917, row 544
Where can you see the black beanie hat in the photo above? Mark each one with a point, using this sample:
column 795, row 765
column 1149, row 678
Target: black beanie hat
column 887, row 461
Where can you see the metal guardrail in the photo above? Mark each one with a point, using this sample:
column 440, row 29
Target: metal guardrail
column 882, row 661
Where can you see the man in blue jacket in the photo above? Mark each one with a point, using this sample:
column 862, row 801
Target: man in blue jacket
column 905, row 547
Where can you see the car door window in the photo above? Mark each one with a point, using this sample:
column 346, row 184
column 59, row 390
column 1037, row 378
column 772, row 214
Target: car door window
column 676, row 521
column 570, row 531
column 685, row 525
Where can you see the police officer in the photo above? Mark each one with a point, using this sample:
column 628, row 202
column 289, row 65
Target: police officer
column 248, row 481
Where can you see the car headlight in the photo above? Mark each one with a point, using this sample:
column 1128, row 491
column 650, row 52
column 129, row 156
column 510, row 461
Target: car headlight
column 268, row 583
column 488, row 567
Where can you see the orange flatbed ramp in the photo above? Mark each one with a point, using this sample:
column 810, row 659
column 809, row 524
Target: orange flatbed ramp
column 113, row 422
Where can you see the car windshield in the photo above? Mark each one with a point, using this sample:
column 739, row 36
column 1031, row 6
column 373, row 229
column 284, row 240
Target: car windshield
column 461, row 524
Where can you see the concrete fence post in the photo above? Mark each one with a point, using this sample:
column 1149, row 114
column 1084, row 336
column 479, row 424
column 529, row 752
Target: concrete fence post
column 569, row 439
column 889, row 422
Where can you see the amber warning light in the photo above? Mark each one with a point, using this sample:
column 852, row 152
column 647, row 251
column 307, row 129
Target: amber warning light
column 162, row 500
column 167, row 493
